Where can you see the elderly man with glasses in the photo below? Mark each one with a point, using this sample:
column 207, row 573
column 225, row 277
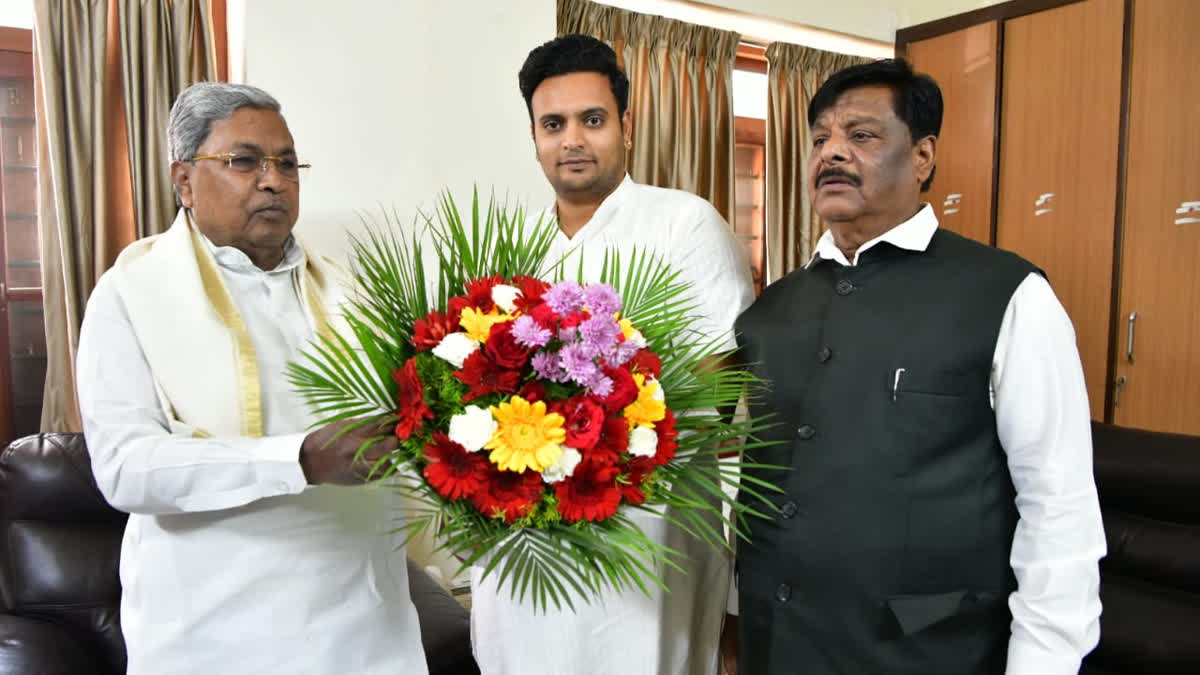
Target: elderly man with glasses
column 252, row 546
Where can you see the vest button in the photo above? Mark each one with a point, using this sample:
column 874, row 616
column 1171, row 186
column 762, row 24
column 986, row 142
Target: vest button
column 788, row 509
column 825, row 354
column 806, row 431
column 844, row 287
column 783, row 593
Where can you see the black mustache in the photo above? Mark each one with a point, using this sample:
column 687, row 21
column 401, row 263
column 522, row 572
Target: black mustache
column 830, row 173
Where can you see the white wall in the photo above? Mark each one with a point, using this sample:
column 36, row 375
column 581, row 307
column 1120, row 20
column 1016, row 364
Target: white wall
column 875, row 19
column 393, row 101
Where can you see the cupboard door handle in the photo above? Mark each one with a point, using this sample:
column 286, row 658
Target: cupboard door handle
column 1129, row 337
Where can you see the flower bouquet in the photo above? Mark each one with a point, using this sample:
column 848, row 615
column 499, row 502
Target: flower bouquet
column 534, row 412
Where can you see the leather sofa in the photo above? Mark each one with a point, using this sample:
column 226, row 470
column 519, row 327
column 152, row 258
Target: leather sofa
column 1149, row 487
column 59, row 588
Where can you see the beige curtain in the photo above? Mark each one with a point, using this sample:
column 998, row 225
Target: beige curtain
column 97, row 151
column 681, row 95
column 794, row 74
column 166, row 45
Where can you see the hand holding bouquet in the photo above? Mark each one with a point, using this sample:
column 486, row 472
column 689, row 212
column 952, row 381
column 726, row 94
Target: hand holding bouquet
column 536, row 411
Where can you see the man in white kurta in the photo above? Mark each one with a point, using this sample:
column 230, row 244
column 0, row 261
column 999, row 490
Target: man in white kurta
column 581, row 130
column 234, row 560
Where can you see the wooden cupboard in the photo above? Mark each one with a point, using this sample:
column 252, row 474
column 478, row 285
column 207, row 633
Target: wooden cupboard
column 1069, row 139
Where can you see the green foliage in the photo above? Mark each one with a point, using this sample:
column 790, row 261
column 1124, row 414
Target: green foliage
column 542, row 558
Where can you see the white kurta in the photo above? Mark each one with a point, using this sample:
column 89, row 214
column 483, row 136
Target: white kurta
column 230, row 562
column 631, row 633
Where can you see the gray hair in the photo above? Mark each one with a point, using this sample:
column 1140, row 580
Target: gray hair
column 203, row 103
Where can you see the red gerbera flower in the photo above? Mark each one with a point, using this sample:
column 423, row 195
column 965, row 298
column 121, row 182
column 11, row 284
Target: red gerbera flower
column 457, row 304
column 612, row 442
column 636, row 472
column 485, row 377
column 624, row 391
column 646, row 362
column 591, row 493
column 428, row 332
column 410, row 400
column 584, row 420
column 666, row 439
column 453, row 471
column 507, row 493
column 531, row 291
column 479, row 292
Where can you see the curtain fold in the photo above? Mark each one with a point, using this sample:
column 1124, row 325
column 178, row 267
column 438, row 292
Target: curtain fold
column 794, row 73
column 106, row 72
column 681, row 95
column 166, row 45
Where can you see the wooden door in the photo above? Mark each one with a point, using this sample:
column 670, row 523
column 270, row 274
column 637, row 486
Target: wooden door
column 964, row 65
column 1059, row 139
column 1160, row 266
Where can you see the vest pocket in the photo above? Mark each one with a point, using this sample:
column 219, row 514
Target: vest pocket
column 957, row 631
column 928, row 415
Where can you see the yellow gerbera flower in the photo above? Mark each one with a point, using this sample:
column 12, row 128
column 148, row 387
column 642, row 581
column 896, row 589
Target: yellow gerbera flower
column 649, row 407
column 478, row 325
column 526, row 436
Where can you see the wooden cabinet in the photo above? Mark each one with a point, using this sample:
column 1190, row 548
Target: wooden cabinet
column 22, row 324
column 1096, row 178
column 1157, row 360
column 1059, row 136
column 964, row 62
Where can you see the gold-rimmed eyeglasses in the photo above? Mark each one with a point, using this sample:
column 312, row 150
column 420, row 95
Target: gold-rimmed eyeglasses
column 249, row 162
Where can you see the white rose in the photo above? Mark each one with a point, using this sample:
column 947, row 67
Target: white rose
column 505, row 297
column 455, row 348
column 472, row 428
column 638, row 339
column 565, row 466
column 658, row 394
column 643, row 442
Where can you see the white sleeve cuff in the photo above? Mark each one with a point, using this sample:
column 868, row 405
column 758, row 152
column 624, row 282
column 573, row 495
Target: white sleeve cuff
column 1029, row 658
column 279, row 465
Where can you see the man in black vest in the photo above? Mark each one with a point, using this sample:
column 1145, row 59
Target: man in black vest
column 939, row 514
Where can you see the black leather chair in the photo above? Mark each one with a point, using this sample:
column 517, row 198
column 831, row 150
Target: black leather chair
column 58, row 572
column 1149, row 487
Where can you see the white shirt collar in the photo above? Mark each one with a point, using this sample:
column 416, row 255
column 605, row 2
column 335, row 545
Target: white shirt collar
column 913, row 234
column 236, row 260
column 603, row 212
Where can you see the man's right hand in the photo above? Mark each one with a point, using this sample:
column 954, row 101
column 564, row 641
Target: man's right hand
column 729, row 645
column 329, row 458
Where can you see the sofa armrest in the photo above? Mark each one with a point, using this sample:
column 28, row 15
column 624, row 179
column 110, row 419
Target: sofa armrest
column 36, row 647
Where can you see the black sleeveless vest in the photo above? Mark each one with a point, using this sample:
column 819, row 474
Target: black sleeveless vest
column 890, row 553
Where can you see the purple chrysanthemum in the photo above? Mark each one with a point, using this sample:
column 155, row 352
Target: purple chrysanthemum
column 602, row 299
column 599, row 334
column 564, row 297
column 527, row 333
column 577, row 364
column 621, row 354
column 548, row 367
column 601, row 385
